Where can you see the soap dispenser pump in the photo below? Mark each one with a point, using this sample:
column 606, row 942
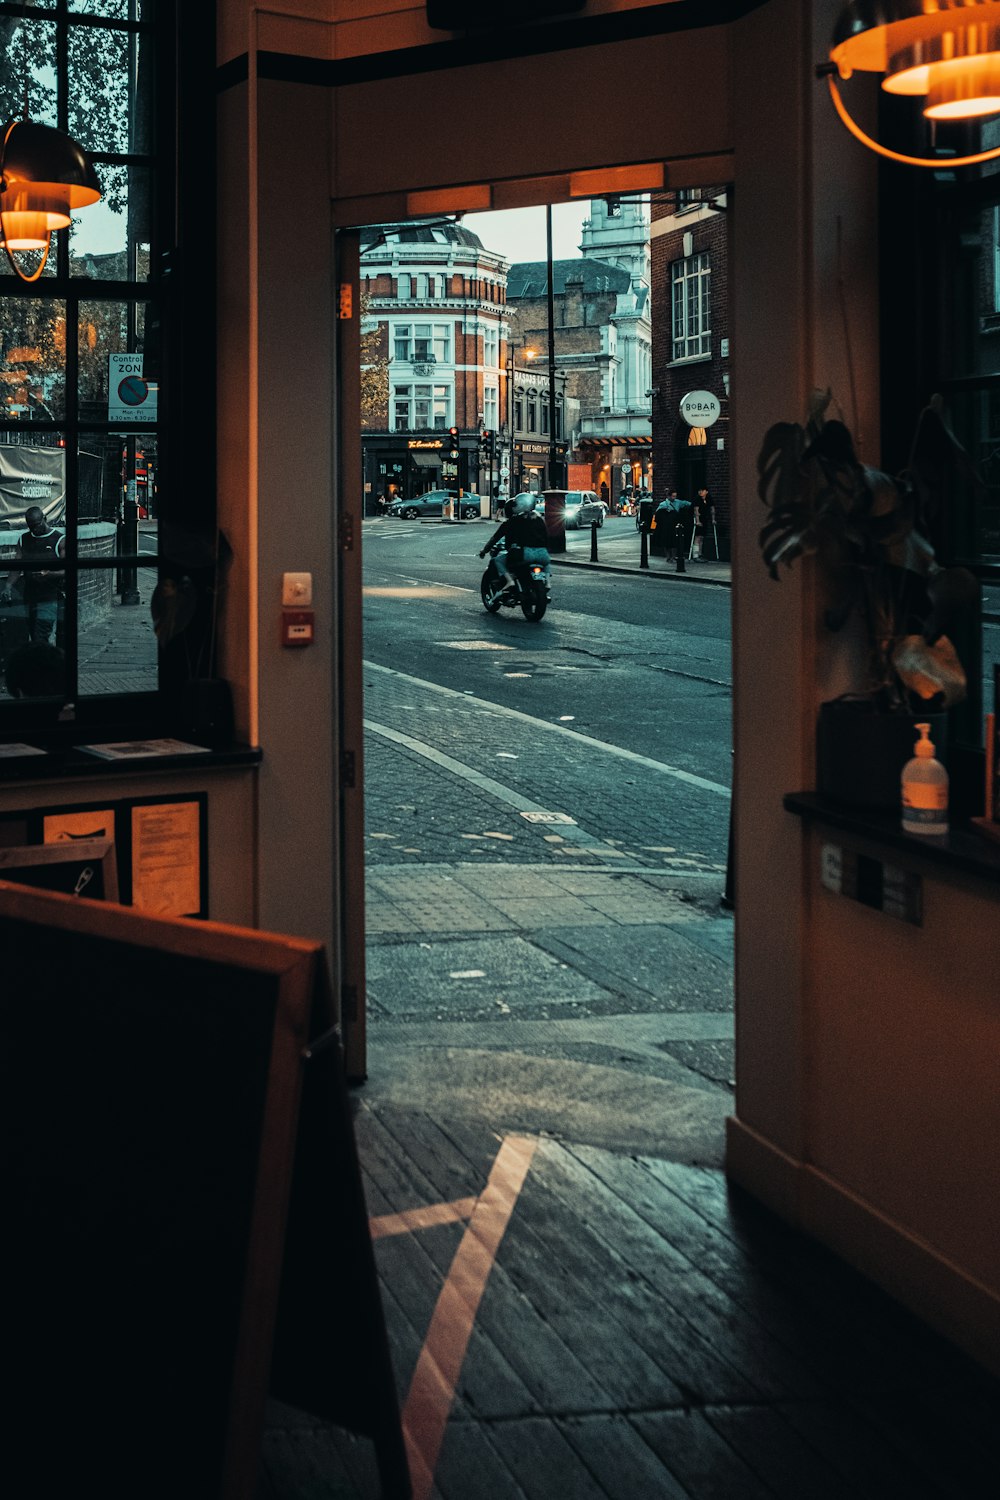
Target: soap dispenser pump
column 925, row 789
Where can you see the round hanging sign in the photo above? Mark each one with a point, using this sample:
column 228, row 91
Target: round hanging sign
column 700, row 408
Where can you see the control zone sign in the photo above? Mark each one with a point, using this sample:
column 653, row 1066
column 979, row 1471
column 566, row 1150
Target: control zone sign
column 131, row 398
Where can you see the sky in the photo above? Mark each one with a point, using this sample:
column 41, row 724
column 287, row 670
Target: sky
column 519, row 233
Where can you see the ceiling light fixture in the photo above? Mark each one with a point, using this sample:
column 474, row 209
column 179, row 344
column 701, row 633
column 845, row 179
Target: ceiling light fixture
column 44, row 174
column 946, row 50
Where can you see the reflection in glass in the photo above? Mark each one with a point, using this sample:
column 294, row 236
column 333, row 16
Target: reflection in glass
column 116, row 642
column 32, row 360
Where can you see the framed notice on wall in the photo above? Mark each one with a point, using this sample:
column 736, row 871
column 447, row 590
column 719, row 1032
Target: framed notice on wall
column 168, row 856
column 160, row 846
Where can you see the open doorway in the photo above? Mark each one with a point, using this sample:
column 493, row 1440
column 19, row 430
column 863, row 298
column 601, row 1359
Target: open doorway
column 547, row 804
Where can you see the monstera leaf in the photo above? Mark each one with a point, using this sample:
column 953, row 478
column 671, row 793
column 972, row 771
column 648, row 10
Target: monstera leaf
column 865, row 527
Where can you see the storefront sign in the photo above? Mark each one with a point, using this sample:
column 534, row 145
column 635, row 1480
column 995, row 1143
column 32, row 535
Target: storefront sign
column 425, row 443
column 700, row 408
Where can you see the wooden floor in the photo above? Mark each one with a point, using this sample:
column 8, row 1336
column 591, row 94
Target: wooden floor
column 618, row 1327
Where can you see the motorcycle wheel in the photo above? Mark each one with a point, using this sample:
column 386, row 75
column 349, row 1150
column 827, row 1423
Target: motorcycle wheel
column 535, row 601
column 491, row 599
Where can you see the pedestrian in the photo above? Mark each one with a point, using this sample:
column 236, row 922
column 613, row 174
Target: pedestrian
column 382, row 504
column 661, row 532
column 704, row 522
column 604, row 491
column 39, row 587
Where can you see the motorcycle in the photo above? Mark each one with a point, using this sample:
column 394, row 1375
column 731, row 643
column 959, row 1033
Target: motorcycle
column 526, row 585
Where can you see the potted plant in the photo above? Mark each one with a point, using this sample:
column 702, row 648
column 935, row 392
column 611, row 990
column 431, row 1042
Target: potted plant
column 866, row 530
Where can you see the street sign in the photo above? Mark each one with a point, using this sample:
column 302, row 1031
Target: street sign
column 131, row 397
column 700, row 408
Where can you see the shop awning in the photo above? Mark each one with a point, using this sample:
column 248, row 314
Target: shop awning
column 615, row 442
column 429, row 460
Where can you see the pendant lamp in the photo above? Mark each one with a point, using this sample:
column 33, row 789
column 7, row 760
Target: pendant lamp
column 44, row 174
column 944, row 51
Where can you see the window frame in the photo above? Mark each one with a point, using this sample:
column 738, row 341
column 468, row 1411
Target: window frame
column 180, row 203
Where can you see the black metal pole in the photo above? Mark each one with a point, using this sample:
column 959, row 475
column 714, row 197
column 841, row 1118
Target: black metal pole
column 679, row 539
column 555, row 480
column 643, row 547
column 593, row 541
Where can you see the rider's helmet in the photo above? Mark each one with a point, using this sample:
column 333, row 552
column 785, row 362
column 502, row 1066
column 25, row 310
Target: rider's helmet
column 524, row 505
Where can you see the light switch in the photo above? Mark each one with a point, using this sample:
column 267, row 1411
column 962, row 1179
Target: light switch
column 297, row 590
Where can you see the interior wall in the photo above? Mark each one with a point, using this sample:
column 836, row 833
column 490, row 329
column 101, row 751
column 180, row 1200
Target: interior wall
column 635, row 101
column 805, row 216
column 275, row 477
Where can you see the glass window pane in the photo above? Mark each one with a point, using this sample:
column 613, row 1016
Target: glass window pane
column 110, row 388
column 109, row 241
column 108, row 98
column 116, row 642
column 32, row 360
column 29, row 53
column 117, row 10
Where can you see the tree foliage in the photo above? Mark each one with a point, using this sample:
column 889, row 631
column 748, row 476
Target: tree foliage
column 374, row 370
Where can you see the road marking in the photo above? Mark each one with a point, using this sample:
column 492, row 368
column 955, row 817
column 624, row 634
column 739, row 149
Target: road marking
column 583, row 842
column 474, row 646
column 631, row 756
column 432, row 1389
column 385, row 1225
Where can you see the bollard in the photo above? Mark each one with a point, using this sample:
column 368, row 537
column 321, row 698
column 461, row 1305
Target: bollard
column 643, row 547
column 593, row 541
column 679, row 542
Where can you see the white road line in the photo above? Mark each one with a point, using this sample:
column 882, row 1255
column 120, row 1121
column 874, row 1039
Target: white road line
column 574, row 734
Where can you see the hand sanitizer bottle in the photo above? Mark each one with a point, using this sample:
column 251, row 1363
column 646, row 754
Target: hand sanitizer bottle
column 925, row 789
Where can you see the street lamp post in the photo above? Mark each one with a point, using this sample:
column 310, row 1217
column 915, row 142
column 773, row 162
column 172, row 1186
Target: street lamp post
column 553, row 476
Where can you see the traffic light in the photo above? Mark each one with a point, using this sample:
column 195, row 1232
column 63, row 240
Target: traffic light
column 486, row 443
column 453, row 442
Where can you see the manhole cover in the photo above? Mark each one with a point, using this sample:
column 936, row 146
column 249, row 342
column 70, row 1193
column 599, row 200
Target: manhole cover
column 547, row 817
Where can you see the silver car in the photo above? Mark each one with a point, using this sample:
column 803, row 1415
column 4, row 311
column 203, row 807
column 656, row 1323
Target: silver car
column 576, row 508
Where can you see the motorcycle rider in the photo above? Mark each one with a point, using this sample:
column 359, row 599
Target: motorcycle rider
column 524, row 537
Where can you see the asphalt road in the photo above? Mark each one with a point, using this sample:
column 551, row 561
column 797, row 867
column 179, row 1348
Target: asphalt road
column 546, row 826
column 638, row 663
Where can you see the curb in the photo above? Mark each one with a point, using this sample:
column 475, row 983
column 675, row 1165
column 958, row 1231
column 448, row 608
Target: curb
column 599, row 567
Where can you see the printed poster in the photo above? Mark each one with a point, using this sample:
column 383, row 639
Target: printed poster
column 166, row 859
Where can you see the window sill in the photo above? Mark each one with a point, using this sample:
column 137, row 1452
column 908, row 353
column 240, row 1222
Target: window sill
column 74, row 764
column 962, row 850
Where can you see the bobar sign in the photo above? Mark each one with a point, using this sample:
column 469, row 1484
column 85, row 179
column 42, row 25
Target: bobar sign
column 700, row 408
column 131, row 398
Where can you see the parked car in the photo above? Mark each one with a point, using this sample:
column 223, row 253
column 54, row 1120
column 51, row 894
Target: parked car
column 578, row 507
column 431, row 504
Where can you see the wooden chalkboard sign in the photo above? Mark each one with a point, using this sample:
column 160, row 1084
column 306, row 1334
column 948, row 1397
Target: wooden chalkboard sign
column 181, row 1200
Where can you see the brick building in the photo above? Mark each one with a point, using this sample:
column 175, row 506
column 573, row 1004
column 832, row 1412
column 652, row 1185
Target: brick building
column 438, row 297
column 690, row 297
